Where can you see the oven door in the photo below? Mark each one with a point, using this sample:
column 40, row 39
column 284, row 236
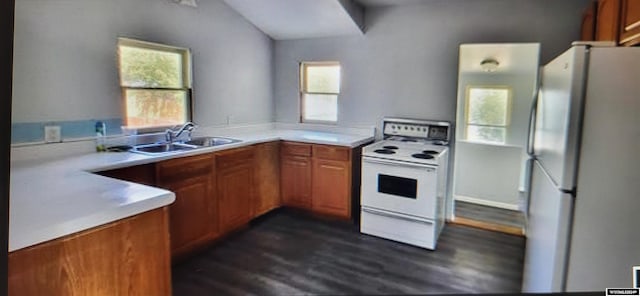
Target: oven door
column 399, row 187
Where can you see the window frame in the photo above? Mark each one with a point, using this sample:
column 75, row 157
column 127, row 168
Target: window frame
column 187, row 85
column 302, row 77
column 508, row 112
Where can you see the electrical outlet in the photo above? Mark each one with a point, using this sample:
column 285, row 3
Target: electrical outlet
column 52, row 134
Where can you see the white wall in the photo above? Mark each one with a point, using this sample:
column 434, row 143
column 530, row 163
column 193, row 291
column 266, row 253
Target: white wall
column 406, row 63
column 491, row 172
column 65, row 58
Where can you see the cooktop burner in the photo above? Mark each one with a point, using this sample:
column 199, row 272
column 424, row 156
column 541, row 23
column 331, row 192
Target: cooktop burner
column 390, row 147
column 430, row 152
column 384, row 151
column 422, row 156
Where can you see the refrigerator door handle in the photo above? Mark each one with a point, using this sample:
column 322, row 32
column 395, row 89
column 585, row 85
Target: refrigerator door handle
column 532, row 119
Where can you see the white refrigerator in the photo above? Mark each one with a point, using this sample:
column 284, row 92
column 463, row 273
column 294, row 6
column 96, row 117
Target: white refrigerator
column 583, row 222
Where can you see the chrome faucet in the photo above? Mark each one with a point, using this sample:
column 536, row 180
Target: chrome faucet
column 171, row 134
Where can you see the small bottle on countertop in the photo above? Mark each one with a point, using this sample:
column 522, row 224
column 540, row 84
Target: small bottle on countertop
column 101, row 133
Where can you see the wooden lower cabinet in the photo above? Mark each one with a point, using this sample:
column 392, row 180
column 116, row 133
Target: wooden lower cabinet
column 194, row 213
column 235, row 188
column 295, row 180
column 267, row 178
column 317, row 177
column 331, row 179
column 125, row 257
column 331, row 193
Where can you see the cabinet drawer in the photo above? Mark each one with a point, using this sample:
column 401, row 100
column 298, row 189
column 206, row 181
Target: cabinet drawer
column 290, row 148
column 234, row 157
column 185, row 168
column 331, row 152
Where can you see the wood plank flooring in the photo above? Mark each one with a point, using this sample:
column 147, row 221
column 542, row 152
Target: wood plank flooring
column 489, row 214
column 288, row 252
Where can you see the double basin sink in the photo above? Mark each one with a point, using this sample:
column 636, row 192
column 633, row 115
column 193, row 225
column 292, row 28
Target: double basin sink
column 194, row 143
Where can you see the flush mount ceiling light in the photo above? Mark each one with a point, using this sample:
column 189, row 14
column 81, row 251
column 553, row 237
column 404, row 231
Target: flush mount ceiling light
column 191, row 3
column 489, row 65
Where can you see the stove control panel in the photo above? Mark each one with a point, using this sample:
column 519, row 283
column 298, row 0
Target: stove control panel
column 436, row 131
column 407, row 130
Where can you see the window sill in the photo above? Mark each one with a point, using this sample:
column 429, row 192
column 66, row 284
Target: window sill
column 316, row 122
column 489, row 144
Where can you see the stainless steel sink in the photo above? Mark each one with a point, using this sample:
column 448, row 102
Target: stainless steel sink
column 194, row 143
column 162, row 148
column 210, row 141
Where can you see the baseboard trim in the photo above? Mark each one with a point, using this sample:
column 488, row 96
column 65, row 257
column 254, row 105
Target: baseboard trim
column 484, row 202
column 489, row 226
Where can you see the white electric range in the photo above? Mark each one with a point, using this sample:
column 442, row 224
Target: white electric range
column 404, row 182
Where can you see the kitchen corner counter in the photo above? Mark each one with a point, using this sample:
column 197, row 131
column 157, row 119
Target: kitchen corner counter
column 57, row 198
column 54, row 198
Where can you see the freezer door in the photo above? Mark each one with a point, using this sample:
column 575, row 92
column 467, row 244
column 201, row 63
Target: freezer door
column 548, row 228
column 558, row 115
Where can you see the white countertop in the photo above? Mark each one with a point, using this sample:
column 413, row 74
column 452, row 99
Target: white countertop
column 53, row 198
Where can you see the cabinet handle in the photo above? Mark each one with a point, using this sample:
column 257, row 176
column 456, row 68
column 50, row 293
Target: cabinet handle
column 331, row 167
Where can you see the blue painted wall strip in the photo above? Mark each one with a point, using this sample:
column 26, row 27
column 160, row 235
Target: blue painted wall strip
column 25, row 132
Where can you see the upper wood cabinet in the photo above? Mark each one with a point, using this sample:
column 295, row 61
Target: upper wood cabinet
column 267, row 178
column 235, row 186
column 630, row 22
column 194, row 214
column 125, row 257
column 588, row 26
column 607, row 20
column 295, row 174
column 615, row 20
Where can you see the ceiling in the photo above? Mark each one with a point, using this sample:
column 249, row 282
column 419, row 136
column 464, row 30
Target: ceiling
column 512, row 57
column 298, row 19
column 388, row 2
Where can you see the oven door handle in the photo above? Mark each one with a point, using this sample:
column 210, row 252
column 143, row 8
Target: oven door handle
column 380, row 213
column 399, row 164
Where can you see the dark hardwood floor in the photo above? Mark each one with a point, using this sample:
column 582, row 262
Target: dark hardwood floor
column 288, row 252
column 489, row 214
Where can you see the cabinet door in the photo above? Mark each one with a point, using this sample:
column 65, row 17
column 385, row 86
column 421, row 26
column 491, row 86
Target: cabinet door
column 267, row 178
column 296, row 180
column 331, row 187
column 193, row 215
column 608, row 15
column 630, row 22
column 588, row 27
column 125, row 257
column 235, row 187
column 192, row 218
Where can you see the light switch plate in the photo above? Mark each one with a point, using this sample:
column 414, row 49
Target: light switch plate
column 52, row 134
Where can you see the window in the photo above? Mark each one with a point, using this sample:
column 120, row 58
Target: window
column 156, row 83
column 319, row 90
column 488, row 114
